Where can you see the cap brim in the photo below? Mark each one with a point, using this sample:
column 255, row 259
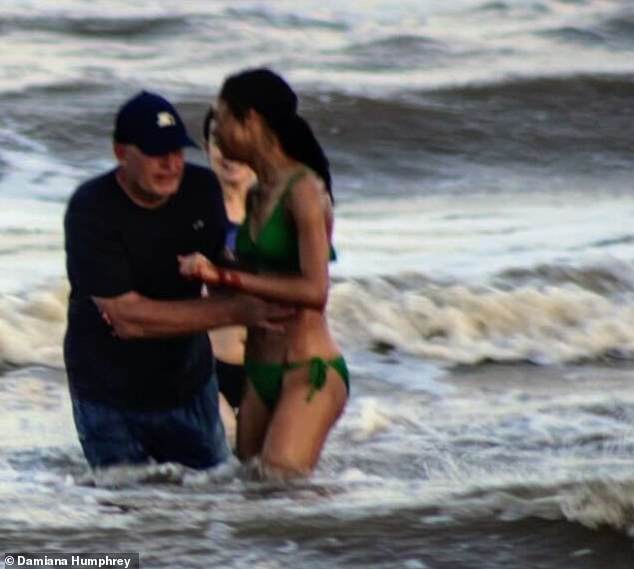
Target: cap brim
column 161, row 147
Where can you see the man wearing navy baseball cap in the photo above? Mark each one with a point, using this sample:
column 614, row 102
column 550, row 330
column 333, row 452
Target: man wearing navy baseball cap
column 152, row 124
column 149, row 139
column 139, row 362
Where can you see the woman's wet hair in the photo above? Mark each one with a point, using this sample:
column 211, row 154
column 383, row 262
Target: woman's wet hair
column 209, row 118
column 268, row 94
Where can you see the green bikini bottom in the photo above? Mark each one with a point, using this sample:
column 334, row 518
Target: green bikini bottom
column 266, row 378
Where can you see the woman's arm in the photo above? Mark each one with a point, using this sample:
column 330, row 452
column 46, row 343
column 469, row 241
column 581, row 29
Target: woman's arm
column 310, row 287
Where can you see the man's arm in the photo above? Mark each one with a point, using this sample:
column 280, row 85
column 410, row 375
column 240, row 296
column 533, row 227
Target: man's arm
column 132, row 315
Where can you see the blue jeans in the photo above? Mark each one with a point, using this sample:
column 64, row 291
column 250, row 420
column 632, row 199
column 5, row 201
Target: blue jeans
column 192, row 434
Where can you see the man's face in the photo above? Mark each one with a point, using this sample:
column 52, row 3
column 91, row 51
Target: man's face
column 151, row 179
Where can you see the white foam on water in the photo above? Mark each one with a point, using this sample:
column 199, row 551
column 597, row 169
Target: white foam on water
column 506, row 445
column 602, row 503
column 36, row 413
column 461, row 482
column 372, row 419
column 30, row 506
column 32, row 327
column 556, row 492
column 458, row 324
column 472, row 237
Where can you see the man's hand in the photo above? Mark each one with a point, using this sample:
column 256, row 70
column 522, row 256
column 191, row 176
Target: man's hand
column 271, row 316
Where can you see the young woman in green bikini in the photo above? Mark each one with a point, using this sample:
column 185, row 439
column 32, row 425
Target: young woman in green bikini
column 297, row 379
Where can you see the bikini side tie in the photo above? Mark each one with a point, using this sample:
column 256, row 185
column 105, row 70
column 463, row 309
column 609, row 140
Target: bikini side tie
column 317, row 371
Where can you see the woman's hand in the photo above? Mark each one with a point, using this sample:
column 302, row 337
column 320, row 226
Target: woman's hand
column 197, row 266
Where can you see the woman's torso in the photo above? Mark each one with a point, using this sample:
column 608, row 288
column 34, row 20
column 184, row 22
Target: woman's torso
column 274, row 248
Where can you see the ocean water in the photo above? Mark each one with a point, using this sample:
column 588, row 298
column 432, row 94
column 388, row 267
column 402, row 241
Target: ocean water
column 484, row 292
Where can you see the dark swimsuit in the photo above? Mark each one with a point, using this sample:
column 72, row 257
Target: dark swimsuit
column 276, row 250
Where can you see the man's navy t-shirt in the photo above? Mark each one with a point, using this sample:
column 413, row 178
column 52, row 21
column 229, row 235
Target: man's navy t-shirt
column 114, row 246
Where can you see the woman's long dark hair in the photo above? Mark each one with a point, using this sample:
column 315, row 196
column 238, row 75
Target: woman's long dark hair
column 267, row 93
column 209, row 118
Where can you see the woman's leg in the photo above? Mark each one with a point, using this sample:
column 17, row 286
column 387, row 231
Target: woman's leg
column 253, row 419
column 300, row 424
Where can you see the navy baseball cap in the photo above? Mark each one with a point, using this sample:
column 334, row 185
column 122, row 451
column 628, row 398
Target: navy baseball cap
column 151, row 123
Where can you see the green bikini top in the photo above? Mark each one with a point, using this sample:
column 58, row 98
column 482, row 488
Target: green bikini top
column 276, row 247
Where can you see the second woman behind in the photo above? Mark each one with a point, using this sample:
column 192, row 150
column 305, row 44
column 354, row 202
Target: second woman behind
column 297, row 379
column 236, row 180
